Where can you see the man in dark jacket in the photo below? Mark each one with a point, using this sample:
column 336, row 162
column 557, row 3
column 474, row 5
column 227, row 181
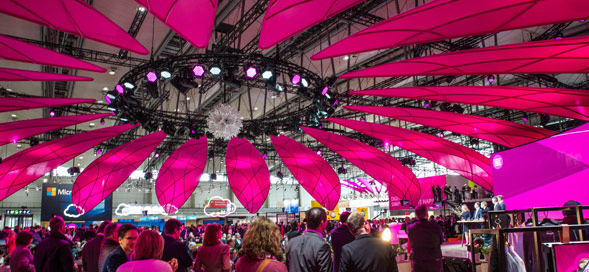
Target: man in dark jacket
column 55, row 252
column 174, row 248
column 127, row 236
column 340, row 237
column 109, row 244
column 91, row 250
column 309, row 252
column 366, row 253
column 426, row 239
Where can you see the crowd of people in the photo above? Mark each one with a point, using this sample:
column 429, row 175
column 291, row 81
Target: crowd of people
column 452, row 193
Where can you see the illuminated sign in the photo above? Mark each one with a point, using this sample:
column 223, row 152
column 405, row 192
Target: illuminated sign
column 18, row 212
column 224, row 205
column 129, row 209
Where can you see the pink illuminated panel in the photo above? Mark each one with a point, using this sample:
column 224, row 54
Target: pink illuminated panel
column 286, row 18
column 74, row 17
column 541, row 57
column 7, row 74
column 310, row 169
column 497, row 131
column 192, row 19
column 398, row 179
column 460, row 159
column 448, row 19
column 248, row 174
column 14, row 131
column 110, row 170
column 27, row 103
column 26, row 166
column 560, row 102
column 180, row 174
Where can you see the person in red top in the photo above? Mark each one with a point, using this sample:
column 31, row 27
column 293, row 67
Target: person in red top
column 10, row 242
column 261, row 249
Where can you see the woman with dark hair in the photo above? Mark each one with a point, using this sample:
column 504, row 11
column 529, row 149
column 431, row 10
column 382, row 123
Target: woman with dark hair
column 21, row 259
column 212, row 256
column 260, row 249
column 149, row 249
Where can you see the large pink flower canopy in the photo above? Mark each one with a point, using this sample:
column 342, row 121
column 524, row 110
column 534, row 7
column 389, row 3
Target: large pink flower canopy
column 448, row 19
column 310, row 169
column 75, row 17
column 463, row 160
column 501, row 132
column 27, row 103
column 396, row 177
column 540, row 57
column 192, row 19
column 109, row 171
column 180, row 174
column 560, row 102
column 286, row 18
column 8, row 74
column 14, row 131
column 248, row 174
column 13, row 49
column 26, row 166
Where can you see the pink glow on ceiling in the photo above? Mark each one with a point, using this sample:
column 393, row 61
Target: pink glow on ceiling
column 286, row 18
column 460, row 159
column 192, row 19
column 248, row 174
column 310, row 169
column 26, row 166
column 501, row 132
column 448, row 19
column 109, row 171
column 27, row 103
column 180, row 174
column 74, row 17
column 7, row 74
column 27, row 128
column 560, row 102
column 540, row 57
column 13, row 49
column 398, row 179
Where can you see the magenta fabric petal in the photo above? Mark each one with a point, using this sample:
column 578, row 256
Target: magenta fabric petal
column 74, row 17
column 497, row 131
column 248, row 174
column 286, row 18
column 27, row 103
column 13, row 49
column 460, row 159
column 193, row 20
column 14, row 131
column 541, row 57
column 26, row 166
column 560, row 102
column 180, row 174
column 110, row 170
column 398, row 179
column 310, row 169
column 448, row 19
column 7, row 74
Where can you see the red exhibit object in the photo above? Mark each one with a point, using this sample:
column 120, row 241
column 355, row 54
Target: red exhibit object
column 448, row 19
column 286, row 18
column 497, row 131
column 310, row 169
column 110, row 170
column 192, row 19
column 7, row 74
column 14, row 131
column 560, row 102
column 541, row 57
column 26, row 166
column 75, row 17
column 27, row 103
column 248, row 174
column 460, row 159
column 397, row 178
column 180, row 174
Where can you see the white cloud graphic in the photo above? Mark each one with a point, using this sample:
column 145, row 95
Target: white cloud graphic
column 231, row 208
column 75, row 208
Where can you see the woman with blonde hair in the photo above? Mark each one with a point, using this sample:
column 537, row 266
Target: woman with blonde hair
column 466, row 216
column 260, row 249
column 213, row 255
column 149, row 249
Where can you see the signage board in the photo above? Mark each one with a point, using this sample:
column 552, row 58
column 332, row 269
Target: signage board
column 57, row 200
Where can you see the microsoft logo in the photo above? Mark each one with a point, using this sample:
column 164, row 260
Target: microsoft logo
column 51, row 191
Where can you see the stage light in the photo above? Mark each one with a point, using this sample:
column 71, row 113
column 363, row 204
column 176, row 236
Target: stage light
column 112, row 72
column 129, row 85
column 304, row 83
column 386, row 235
column 120, row 89
column 183, row 82
column 102, row 121
column 325, row 90
column 52, row 113
column 152, row 88
column 491, row 79
column 98, row 151
column 267, row 74
column 280, row 175
column 215, row 70
column 279, row 88
column 458, row 109
column 213, row 176
column 165, row 74
column 296, row 79
column 151, row 77
column 251, row 72
column 157, row 155
column 198, row 70
column 148, row 175
column 386, row 144
column 474, row 141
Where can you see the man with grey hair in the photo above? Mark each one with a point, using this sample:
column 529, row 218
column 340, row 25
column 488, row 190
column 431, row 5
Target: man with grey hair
column 426, row 239
column 55, row 252
column 366, row 253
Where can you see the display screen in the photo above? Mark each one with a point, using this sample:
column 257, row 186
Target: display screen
column 572, row 257
column 57, row 200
